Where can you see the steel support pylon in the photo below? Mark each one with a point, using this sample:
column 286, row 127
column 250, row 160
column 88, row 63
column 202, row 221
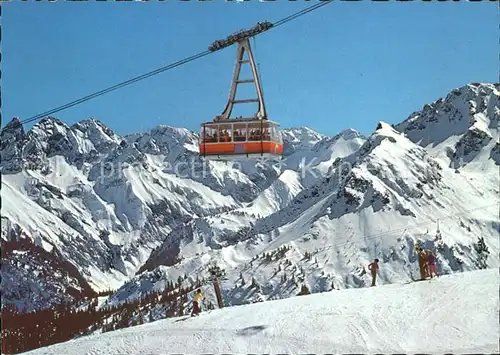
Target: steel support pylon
column 244, row 46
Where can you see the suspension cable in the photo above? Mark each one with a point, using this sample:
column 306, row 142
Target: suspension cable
column 117, row 86
column 162, row 69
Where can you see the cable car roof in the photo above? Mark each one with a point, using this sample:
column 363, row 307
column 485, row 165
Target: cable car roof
column 240, row 120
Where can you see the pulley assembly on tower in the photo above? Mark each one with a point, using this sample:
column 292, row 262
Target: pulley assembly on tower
column 227, row 138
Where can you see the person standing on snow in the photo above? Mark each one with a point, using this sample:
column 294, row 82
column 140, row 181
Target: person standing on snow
column 422, row 264
column 373, row 267
column 431, row 264
column 198, row 296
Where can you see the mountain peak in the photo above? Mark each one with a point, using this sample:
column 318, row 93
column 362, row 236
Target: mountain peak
column 93, row 123
column 165, row 139
column 12, row 132
column 172, row 131
column 350, row 133
column 473, row 105
column 301, row 133
column 384, row 127
column 299, row 138
column 49, row 125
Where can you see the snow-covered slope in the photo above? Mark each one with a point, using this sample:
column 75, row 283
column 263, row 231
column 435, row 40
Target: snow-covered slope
column 316, row 161
column 452, row 314
column 121, row 209
column 33, row 278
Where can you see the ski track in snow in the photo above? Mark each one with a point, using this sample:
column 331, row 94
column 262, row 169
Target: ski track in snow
column 454, row 313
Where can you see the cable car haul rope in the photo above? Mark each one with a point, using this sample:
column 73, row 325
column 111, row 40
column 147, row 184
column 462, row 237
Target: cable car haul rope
column 224, row 138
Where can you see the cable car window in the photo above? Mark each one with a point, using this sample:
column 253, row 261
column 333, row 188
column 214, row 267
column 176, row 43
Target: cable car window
column 266, row 132
column 254, row 131
column 203, row 135
column 210, row 134
column 274, row 133
column 278, row 134
column 225, row 133
column 240, row 132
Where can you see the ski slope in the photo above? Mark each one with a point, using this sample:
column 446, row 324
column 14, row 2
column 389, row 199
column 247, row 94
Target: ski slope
column 455, row 313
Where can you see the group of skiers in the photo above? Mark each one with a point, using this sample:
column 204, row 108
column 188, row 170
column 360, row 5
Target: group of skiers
column 426, row 264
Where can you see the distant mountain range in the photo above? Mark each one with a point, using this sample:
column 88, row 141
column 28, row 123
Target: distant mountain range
column 86, row 209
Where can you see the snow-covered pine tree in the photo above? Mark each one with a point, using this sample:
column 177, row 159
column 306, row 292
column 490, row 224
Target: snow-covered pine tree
column 482, row 253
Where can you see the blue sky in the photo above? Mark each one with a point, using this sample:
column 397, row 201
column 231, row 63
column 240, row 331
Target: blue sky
column 345, row 65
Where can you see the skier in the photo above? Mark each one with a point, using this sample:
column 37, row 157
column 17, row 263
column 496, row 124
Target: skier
column 431, row 263
column 198, row 296
column 422, row 264
column 373, row 267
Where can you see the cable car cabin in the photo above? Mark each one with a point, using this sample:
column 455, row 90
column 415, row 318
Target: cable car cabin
column 240, row 139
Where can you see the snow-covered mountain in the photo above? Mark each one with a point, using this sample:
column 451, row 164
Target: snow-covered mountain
column 298, row 139
column 135, row 211
column 102, row 202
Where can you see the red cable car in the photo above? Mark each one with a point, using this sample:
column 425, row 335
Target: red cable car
column 239, row 138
